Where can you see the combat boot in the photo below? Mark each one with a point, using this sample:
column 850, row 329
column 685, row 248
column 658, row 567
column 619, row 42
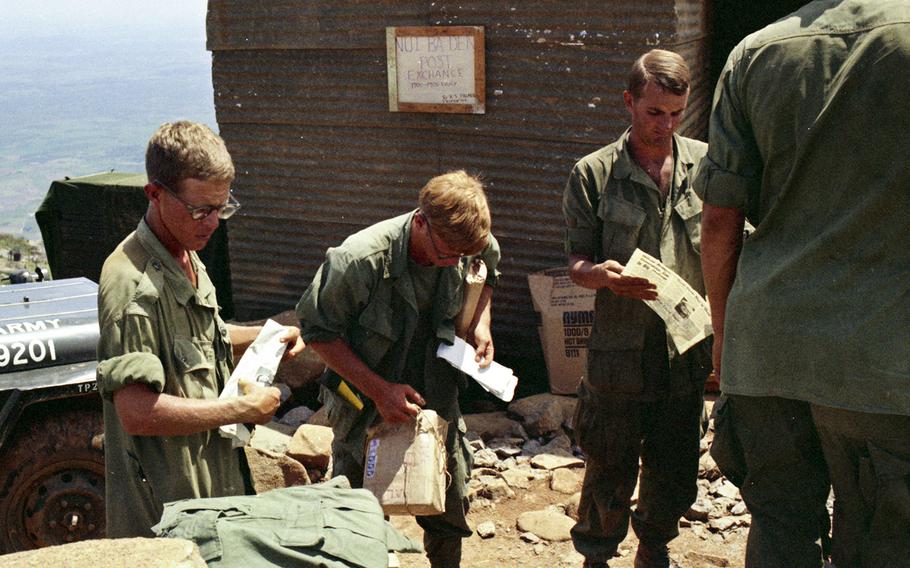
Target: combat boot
column 653, row 557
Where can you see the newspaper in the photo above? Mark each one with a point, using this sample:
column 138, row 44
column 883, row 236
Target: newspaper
column 683, row 309
column 258, row 364
column 495, row 379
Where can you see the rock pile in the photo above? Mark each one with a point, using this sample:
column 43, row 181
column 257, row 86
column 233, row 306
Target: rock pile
column 531, row 441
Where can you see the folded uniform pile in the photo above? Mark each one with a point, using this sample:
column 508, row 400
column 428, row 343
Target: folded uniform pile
column 328, row 525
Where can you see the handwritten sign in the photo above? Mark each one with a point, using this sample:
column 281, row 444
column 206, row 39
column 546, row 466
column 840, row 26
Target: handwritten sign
column 436, row 69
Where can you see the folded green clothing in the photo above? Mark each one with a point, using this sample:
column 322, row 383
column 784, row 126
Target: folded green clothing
column 326, row 525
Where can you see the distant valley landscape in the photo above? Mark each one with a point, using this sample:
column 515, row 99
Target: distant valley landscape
column 76, row 105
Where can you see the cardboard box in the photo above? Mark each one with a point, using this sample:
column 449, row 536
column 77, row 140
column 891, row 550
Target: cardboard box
column 405, row 465
column 567, row 315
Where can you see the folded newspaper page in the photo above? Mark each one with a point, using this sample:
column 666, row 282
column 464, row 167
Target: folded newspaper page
column 683, row 309
column 258, row 365
column 495, row 379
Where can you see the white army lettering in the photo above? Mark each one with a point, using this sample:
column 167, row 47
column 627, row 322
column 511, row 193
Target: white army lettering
column 28, row 326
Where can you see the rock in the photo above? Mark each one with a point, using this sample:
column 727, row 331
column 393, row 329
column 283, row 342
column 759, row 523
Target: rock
column 739, row 508
column 295, row 417
column 112, row 553
column 508, row 463
column 722, row 524
column 475, row 442
column 727, row 489
column 486, row 458
column 494, row 488
column 547, row 524
column 571, row 506
column 701, row 532
column 531, row 447
column 706, row 560
column 539, row 548
column 549, row 461
column 486, row 529
column 543, row 414
column 529, row 537
column 270, row 470
column 312, row 446
column 320, row 418
column 489, row 425
column 272, row 437
column 707, row 469
column 563, row 480
column 506, row 447
column 560, row 445
column 698, row 512
column 572, row 559
column 721, row 507
column 479, row 472
column 516, row 478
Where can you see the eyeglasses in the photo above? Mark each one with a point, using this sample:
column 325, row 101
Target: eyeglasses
column 433, row 242
column 200, row 212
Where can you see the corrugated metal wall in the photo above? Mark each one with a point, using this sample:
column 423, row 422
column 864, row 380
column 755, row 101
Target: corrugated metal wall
column 301, row 99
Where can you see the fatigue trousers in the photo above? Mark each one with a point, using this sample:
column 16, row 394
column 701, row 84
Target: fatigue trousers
column 868, row 456
column 442, row 533
column 614, row 432
column 770, row 449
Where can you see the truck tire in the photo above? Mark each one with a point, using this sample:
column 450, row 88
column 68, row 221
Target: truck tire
column 52, row 482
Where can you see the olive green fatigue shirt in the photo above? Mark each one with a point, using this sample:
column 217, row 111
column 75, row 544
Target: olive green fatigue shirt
column 820, row 308
column 157, row 330
column 611, row 208
column 364, row 294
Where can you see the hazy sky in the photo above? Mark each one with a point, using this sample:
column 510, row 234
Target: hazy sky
column 66, row 17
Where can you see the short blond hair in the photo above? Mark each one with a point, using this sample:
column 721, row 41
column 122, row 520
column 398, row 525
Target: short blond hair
column 665, row 68
column 457, row 209
column 183, row 149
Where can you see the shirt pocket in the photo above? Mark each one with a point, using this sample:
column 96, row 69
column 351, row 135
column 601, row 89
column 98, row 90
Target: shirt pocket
column 689, row 210
column 195, row 364
column 622, row 223
column 377, row 332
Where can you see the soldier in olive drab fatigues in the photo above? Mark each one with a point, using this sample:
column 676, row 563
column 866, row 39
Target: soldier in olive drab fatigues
column 812, row 311
column 377, row 310
column 640, row 398
column 164, row 353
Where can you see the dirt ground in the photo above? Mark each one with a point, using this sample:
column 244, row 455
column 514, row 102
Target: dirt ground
column 506, row 549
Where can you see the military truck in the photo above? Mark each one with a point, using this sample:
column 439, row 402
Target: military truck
column 51, row 461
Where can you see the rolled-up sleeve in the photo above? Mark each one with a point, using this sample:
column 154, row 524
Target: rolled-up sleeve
column 581, row 219
column 337, row 293
column 730, row 175
column 127, row 354
column 490, row 257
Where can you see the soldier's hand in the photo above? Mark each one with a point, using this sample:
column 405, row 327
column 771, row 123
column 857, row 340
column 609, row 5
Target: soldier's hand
column 483, row 345
column 294, row 342
column 627, row 286
column 399, row 403
column 259, row 403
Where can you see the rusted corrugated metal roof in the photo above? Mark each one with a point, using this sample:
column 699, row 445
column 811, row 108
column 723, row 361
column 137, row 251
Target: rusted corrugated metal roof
column 301, row 99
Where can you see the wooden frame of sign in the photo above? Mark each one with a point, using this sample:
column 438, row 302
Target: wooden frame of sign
column 436, row 69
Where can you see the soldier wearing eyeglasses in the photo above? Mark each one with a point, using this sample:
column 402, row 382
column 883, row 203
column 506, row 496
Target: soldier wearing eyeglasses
column 376, row 312
column 165, row 353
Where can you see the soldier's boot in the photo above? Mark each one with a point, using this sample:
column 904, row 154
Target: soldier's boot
column 653, row 557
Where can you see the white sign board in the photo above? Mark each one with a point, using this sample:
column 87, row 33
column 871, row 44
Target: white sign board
column 436, row 69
